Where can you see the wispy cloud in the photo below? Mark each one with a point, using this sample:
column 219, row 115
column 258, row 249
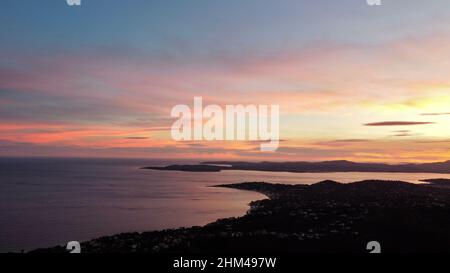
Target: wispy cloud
column 398, row 123
column 401, row 131
column 435, row 114
column 403, row 135
column 341, row 142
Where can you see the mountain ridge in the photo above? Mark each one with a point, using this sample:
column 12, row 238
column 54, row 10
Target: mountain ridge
column 312, row 167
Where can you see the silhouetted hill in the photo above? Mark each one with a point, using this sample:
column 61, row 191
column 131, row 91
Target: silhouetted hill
column 442, row 182
column 323, row 217
column 187, row 168
column 311, row 167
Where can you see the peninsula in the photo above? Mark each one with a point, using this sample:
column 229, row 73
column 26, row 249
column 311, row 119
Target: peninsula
column 324, row 217
column 310, row 167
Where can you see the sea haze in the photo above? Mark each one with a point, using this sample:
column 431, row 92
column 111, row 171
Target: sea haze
column 44, row 202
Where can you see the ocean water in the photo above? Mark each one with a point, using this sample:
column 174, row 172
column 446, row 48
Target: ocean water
column 46, row 202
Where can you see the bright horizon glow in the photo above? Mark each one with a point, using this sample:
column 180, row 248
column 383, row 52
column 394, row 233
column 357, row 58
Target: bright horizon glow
column 100, row 80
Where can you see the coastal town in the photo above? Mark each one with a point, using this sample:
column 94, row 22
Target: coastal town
column 324, row 217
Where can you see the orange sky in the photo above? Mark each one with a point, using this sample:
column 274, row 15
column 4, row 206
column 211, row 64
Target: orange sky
column 365, row 96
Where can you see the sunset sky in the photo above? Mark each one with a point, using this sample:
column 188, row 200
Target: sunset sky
column 353, row 82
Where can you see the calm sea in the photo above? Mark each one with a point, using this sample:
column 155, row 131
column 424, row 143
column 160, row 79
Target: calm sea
column 45, row 202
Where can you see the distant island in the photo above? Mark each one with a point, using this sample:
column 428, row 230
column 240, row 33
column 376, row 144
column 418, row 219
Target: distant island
column 310, row 167
column 188, row 168
column 324, row 217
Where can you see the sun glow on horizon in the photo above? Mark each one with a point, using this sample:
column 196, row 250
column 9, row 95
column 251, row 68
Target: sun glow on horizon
column 362, row 89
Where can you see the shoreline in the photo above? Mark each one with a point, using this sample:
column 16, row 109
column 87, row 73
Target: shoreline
column 310, row 167
column 304, row 218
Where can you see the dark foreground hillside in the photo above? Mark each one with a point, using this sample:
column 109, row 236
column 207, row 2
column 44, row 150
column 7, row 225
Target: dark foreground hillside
column 324, row 217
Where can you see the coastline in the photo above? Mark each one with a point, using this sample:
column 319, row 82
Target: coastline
column 310, row 167
column 323, row 217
